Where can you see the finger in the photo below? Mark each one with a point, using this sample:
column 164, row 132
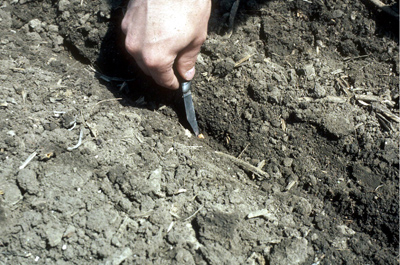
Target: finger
column 186, row 60
column 164, row 75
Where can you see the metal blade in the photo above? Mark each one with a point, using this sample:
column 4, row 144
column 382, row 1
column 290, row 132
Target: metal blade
column 189, row 107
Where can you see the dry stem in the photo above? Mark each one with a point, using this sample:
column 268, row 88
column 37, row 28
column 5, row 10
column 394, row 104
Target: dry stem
column 246, row 166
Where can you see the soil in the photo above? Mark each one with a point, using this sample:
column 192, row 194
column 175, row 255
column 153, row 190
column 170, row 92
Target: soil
column 299, row 106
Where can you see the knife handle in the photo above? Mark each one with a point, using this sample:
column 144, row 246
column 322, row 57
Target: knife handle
column 186, row 86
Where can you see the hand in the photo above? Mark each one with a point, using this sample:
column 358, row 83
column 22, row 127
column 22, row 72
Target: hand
column 161, row 34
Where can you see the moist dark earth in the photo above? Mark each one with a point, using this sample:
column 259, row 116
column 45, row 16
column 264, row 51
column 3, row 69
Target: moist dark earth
column 298, row 102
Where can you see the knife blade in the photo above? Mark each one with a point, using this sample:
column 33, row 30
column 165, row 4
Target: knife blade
column 189, row 107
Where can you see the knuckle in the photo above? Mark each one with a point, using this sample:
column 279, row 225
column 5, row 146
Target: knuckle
column 200, row 39
column 166, row 79
column 156, row 63
column 203, row 38
column 131, row 46
column 151, row 62
column 165, row 82
column 124, row 26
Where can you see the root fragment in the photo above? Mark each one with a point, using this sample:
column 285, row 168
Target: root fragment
column 190, row 217
column 232, row 16
column 385, row 8
column 29, row 159
column 244, row 165
column 79, row 142
column 238, row 63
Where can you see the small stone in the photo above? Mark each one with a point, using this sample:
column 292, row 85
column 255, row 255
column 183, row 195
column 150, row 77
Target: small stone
column 11, row 133
column 153, row 184
column 50, row 126
column 340, row 243
column 69, row 231
column 118, row 257
column 12, row 194
column 344, row 230
column 337, row 13
column 6, row 20
column 224, row 67
column 319, row 91
column 320, row 43
column 287, row 162
column 33, row 36
column 183, row 256
column 38, row 204
column 338, row 125
column 365, row 176
column 292, row 77
column 309, row 71
column 63, row 5
column 314, row 237
column 290, row 251
column 236, row 197
column 53, row 28
column 274, row 96
column 247, row 115
column 115, row 241
column 57, row 41
column 65, row 15
column 303, row 207
column 68, row 120
column 84, row 18
column 54, row 235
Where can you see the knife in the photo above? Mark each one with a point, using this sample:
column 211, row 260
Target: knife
column 189, row 108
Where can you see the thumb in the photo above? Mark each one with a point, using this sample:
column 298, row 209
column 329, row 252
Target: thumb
column 185, row 63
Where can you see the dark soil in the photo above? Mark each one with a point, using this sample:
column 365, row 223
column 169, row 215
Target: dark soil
column 307, row 91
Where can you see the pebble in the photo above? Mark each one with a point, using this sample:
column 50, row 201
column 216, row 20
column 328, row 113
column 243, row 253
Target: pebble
column 287, row 162
column 337, row 13
column 275, row 95
column 36, row 25
column 319, row 91
column 344, row 230
column 12, row 194
column 290, row 251
column 309, row 71
column 69, row 231
column 118, row 257
column 53, row 28
column 54, row 235
column 154, row 183
column 63, row 5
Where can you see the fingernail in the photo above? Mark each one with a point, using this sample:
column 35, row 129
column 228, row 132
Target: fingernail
column 189, row 74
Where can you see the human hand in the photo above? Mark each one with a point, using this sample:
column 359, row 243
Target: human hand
column 161, row 34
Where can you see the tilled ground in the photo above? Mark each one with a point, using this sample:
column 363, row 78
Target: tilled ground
column 298, row 103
